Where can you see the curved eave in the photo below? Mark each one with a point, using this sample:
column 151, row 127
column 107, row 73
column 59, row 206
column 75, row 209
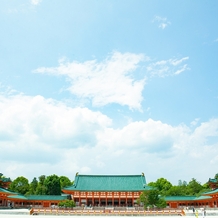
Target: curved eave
column 17, row 197
column 211, row 192
column 6, row 191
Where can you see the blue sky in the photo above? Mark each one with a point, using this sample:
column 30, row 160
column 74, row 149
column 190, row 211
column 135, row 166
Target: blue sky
column 109, row 87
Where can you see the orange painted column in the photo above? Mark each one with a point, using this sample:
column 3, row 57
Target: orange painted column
column 79, row 200
column 126, row 199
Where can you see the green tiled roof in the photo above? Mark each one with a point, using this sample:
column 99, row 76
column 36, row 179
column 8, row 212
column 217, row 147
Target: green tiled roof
column 39, row 197
column 203, row 197
column 5, row 179
column 47, row 197
column 185, row 198
column 6, row 191
column 211, row 192
column 213, row 180
column 180, row 198
column 21, row 197
column 109, row 183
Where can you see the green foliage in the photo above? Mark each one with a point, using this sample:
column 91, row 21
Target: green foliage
column 50, row 185
column 42, row 179
column 53, row 185
column 194, row 187
column 161, row 203
column 162, row 185
column 65, row 181
column 182, row 183
column 41, row 189
column 152, row 199
column 20, row 185
column 183, row 189
column 67, row 204
column 33, row 187
column 1, row 184
column 175, row 191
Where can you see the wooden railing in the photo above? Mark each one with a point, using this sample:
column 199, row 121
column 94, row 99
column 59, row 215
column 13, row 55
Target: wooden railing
column 49, row 211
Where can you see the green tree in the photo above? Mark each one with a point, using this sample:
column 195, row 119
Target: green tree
column 42, row 179
column 1, row 176
column 20, row 185
column 175, row 191
column 33, row 187
column 53, row 185
column 41, row 188
column 152, row 198
column 182, row 183
column 161, row 203
column 162, row 185
column 194, row 187
column 65, row 181
column 67, row 203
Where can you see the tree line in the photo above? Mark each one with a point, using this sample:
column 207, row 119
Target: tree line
column 192, row 188
column 44, row 185
column 162, row 188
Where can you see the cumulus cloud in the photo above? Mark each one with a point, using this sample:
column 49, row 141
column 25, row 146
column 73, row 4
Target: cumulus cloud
column 48, row 136
column 156, row 146
column 161, row 21
column 115, row 79
column 150, row 136
column 168, row 67
column 109, row 81
column 36, row 121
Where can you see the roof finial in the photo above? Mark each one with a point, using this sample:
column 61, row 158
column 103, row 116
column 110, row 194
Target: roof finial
column 143, row 174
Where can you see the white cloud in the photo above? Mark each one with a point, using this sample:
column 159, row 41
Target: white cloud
column 46, row 135
column 110, row 81
column 35, row 2
column 195, row 122
column 45, row 121
column 161, row 21
column 168, row 67
column 113, row 80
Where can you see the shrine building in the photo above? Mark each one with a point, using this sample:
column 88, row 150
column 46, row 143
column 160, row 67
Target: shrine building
column 107, row 190
column 213, row 183
column 4, row 182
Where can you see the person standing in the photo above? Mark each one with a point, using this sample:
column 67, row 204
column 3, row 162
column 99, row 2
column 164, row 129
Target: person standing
column 196, row 213
column 204, row 213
